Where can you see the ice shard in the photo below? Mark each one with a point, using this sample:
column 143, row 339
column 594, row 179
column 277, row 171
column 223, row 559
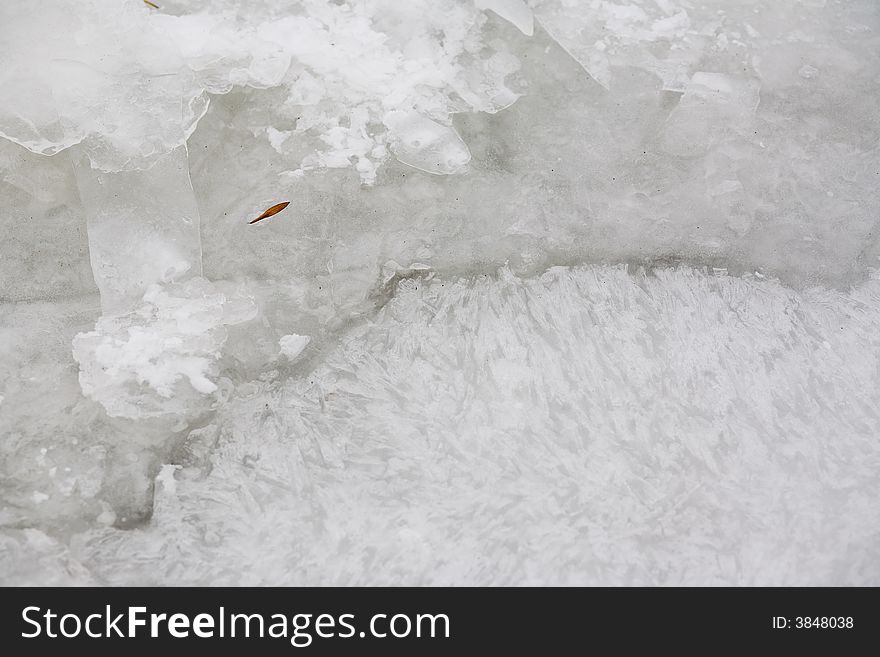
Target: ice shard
column 515, row 11
column 143, row 227
column 426, row 144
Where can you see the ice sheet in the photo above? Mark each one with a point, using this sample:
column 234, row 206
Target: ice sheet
column 358, row 359
column 587, row 426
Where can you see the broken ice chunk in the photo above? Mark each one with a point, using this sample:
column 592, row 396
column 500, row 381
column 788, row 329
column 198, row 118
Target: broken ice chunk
column 292, row 345
column 423, row 143
column 143, row 227
column 102, row 73
column 513, row 11
column 392, row 270
column 601, row 36
column 484, row 87
column 713, row 107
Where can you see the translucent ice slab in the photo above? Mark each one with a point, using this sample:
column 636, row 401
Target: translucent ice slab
column 143, row 227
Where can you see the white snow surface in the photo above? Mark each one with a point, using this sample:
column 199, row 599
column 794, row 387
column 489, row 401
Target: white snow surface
column 566, row 292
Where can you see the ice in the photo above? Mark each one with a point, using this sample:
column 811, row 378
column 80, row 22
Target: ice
column 162, row 322
column 605, row 35
column 425, row 144
column 586, row 426
column 515, row 11
column 553, row 274
column 343, row 65
column 157, row 213
column 45, row 254
column 292, row 345
column 159, row 358
column 64, row 81
column 714, row 108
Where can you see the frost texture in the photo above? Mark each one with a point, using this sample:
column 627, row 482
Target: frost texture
column 587, row 426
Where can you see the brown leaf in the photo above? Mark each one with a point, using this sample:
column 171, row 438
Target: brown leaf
column 275, row 209
column 154, row 6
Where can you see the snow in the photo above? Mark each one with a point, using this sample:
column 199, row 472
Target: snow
column 566, row 292
column 134, row 363
column 343, row 66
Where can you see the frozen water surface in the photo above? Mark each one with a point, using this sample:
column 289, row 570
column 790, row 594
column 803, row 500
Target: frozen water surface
column 567, row 292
